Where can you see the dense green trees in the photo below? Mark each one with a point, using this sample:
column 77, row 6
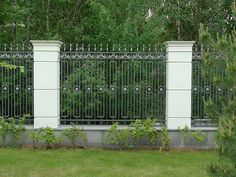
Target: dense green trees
column 226, row 138
column 120, row 21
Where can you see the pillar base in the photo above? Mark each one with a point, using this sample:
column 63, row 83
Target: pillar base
column 176, row 123
column 52, row 122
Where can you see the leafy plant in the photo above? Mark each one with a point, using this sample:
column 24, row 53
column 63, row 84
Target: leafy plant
column 75, row 134
column 221, row 168
column 185, row 134
column 4, row 129
column 48, row 136
column 165, row 139
column 138, row 130
column 150, row 130
column 199, row 136
column 117, row 136
column 226, row 136
column 36, row 137
column 17, row 128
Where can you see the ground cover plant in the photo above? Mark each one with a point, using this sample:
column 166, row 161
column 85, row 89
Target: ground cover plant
column 91, row 163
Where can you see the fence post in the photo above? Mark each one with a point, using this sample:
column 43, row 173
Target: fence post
column 46, row 83
column 178, row 84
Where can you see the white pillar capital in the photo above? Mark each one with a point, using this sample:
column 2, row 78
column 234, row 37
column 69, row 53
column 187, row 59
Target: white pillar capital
column 43, row 45
column 179, row 46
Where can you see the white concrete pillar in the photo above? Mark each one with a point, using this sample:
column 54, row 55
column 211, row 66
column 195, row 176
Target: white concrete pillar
column 178, row 84
column 46, row 83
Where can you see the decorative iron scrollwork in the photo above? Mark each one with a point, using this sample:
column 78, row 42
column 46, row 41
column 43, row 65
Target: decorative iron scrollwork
column 18, row 54
column 112, row 55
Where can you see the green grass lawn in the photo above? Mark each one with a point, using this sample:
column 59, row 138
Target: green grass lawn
column 63, row 162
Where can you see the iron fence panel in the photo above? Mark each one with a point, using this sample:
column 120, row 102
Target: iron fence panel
column 102, row 87
column 16, row 83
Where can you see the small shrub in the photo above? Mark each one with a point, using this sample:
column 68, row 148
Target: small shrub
column 150, row 130
column 48, row 136
column 119, row 137
column 123, row 137
column 36, row 137
column 75, row 134
column 138, row 130
column 4, row 129
column 17, row 128
column 185, row 135
column 222, row 168
column 165, row 139
column 199, row 136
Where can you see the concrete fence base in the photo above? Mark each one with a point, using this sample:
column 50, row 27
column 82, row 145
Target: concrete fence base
column 96, row 139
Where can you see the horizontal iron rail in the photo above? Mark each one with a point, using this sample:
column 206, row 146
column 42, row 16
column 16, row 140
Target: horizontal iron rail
column 113, row 55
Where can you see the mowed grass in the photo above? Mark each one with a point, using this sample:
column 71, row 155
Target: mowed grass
column 102, row 163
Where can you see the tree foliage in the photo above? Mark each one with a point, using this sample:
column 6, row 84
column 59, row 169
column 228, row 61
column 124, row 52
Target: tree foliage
column 120, row 21
column 226, row 138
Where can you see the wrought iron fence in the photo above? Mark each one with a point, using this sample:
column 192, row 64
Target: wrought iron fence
column 116, row 84
column 206, row 90
column 16, row 83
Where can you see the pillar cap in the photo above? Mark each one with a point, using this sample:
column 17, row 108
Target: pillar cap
column 45, row 42
column 180, row 43
column 46, row 45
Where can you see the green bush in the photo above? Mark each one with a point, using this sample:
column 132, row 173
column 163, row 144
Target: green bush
column 137, row 130
column 165, row 139
column 144, row 129
column 36, row 137
column 4, row 129
column 74, row 135
column 185, row 135
column 118, row 136
column 14, row 127
column 221, row 168
column 199, row 136
column 225, row 45
column 150, row 130
column 48, row 136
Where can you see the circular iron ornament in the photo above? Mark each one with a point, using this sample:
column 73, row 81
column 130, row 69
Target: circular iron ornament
column 100, row 89
column 231, row 89
column 195, row 89
column 29, row 88
column 89, row 89
column 17, row 88
column 137, row 89
column 4, row 88
column 207, row 89
column 219, row 89
column 149, row 89
column 161, row 89
column 76, row 88
column 64, row 89
column 112, row 88
column 125, row 89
